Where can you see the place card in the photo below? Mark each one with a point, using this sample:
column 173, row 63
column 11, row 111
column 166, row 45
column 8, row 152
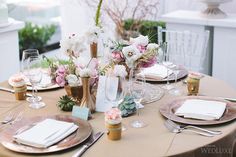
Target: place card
column 102, row 104
column 80, row 112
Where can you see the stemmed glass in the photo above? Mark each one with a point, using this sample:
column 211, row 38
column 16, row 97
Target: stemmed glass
column 137, row 90
column 25, row 66
column 175, row 91
column 32, row 70
column 114, row 92
column 166, row 63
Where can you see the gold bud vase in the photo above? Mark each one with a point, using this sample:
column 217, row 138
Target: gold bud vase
column 93, row 50
column 75, row 92
column 87, row 99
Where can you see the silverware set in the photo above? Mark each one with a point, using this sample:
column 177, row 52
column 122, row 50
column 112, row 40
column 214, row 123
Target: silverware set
column 175, row 128
column 88, row 144
column 12, row 117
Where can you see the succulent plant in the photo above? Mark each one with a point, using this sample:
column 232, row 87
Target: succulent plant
column 127, row 106
column 66, row 103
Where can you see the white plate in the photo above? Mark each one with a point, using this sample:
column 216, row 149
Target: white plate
column 45, row 83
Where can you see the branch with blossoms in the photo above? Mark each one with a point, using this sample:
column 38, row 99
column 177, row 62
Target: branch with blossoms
column 139, row 53
column 119, row 10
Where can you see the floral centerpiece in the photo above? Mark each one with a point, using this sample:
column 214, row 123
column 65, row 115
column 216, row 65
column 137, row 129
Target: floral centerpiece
column 137, row 53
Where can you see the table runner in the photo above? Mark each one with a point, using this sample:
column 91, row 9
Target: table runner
column 153, row 140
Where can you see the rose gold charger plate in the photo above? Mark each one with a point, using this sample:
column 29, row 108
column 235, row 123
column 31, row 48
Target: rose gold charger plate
column 79, row 136
column 168, row 110
column 182, row 74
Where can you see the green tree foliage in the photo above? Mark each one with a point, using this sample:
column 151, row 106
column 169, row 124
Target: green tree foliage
column 35, row 36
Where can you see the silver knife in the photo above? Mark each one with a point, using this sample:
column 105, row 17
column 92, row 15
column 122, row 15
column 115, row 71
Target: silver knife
column 12, row 91
column 91, row 141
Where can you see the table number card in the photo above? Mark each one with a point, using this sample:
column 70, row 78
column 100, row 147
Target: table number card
column 80, row 112
column 102, row 104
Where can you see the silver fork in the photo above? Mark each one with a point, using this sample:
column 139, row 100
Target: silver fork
column 17, row 118
column 175, row 129
column 194, row 127
column 8, row 118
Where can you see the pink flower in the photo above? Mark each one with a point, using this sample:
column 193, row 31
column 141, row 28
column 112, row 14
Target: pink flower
column 118, row 56
column 93, row 64
column 150, row 63
column 113, row 114
column 60, row 80
column 61, row 71
column 141, row 48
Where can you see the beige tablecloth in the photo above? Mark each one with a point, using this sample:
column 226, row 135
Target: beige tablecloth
column 152, row 141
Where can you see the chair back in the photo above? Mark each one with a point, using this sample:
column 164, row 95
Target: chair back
column 184, row 48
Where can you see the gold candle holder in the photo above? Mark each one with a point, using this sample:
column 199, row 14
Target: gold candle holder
column 193, row 83
column 20, row 92
column 19, row 87
column 76, row 92
column 114, row 131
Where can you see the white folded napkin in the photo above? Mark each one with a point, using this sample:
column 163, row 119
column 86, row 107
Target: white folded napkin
column 201, row 109
column 158, row 71
column 46, row 133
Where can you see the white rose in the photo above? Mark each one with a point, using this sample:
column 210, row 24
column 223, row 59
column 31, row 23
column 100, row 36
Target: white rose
column 72, row 80
column 152, row 46
column 120, row 71
column 131, row 54
column 141, row 40
column 86, row 72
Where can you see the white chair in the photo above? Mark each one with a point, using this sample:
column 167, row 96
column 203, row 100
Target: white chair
column 184, row 47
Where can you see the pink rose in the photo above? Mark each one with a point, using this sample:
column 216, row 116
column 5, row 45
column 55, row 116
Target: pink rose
column 93, row 64
column 117, row 55
column 141, row 48
column 61, row 71
column 60, row 80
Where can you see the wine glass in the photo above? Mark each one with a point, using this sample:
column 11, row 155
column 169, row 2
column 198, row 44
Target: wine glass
column 115, row 92
column 175, row 91
column 24, row 66
column 33, row 72
column 137, row 90
column 166, row 63
column 114, row 89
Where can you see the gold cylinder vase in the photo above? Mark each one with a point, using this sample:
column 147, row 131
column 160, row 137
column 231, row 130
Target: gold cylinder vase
column 87, row 100
column 94, row 50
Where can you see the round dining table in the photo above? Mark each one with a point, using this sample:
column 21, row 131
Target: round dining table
column 154, row 140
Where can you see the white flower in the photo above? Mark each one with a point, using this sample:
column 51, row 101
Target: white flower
column 93, row 34
column 120, row 71
column 86, row 67
column 73, row 46
column 131, row 54
column 141, row 40
column 85, row 72
column 152, row 46
column 82, row 62
column 72, row 80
